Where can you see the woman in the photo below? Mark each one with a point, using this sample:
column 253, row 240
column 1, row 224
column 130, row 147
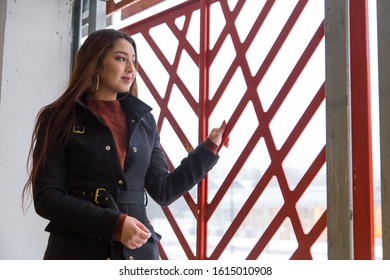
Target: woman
column 96, row 151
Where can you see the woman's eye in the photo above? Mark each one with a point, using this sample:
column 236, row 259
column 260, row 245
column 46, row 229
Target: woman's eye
column 121, row 58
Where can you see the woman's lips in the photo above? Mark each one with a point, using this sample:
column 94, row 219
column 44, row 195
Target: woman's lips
column 127, row 79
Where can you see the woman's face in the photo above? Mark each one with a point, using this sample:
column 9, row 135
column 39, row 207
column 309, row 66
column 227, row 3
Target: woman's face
column 117, row 72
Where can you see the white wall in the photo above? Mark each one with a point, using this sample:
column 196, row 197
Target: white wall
column 33, row 70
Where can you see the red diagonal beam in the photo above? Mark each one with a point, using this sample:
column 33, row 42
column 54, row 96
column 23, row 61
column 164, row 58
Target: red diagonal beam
column 163, row 254
column 179, row 234
column 112, row 7
column 187, row 197
column 165, row 112
column 303, row 122
column 138, row 7
column 165, row 16
column 181, row 34
column 303, row 185
column 269, row 58
column 129, row 7
column 172, row 70
column 281, row 39
column 241, row 49
column 234, row 172
column 296, row 72
column 303, row 250
column 226, row 238
column 284, row 213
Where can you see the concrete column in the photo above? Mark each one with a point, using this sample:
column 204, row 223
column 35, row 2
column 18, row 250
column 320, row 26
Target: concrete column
column 383, row 10
column 35, row 40
column 338, row 128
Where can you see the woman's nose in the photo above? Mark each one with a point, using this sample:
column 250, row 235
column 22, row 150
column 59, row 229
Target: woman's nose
column 130, row 67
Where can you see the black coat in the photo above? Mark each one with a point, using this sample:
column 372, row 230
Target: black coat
column 88, row 168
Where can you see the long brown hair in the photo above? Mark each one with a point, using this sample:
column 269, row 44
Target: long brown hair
column 59, row 117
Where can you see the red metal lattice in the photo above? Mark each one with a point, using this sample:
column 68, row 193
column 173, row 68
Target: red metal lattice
column 205, row 106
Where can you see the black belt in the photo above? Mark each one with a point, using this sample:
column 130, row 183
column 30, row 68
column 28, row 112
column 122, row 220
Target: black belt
column 110, row 198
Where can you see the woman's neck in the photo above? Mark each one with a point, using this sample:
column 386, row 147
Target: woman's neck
column 103, row 97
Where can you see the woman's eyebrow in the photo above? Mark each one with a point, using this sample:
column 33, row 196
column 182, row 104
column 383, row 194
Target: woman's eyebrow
column 124, row 53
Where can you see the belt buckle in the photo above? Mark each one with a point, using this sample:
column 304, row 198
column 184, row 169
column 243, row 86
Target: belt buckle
column 97, row 194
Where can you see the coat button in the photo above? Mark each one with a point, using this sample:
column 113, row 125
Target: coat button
column 131, row 258
column 108, row 148
column 120, row 182
column 133, row 120
column 135, row 149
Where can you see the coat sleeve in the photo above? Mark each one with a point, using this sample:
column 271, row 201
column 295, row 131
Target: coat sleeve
column 64, row 211
column 164, row 186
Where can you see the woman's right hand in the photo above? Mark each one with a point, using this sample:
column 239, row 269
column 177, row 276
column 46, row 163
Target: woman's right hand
column 216, row 135
column 134, row 233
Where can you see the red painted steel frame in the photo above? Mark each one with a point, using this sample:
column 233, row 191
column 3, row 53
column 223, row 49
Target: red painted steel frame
column 129, row 7
column 201, row 247
column 201, row 210
column 363, row 203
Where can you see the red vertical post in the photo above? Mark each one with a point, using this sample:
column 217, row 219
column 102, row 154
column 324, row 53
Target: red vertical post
column 362, row 181
column 201, row 244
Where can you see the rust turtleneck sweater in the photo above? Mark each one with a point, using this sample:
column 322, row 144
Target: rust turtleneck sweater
column 112, row 114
